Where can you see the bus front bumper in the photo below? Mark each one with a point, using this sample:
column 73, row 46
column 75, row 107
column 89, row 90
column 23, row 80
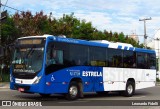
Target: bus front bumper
column 33, row 88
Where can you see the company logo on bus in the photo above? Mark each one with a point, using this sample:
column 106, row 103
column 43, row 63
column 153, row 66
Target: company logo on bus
column 91, row 73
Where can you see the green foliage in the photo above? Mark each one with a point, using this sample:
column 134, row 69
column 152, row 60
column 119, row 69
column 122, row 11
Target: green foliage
column 157, row 80
column 4, row 74
column 29, row 24
column 121, row 37
column 5, row 77
column 9, row 31
column 26, row 24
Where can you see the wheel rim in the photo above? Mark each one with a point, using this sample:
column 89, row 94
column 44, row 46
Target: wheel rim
column 130, row 89
column 73, row 91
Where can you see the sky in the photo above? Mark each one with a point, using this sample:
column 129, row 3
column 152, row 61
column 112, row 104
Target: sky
column 111, row 15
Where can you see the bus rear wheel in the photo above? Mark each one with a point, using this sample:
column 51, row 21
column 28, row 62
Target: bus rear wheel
column 73, row 91
column 130, row 89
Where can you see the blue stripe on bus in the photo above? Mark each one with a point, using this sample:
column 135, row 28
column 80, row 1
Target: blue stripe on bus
column 125, row 48
column 144, row 50
column 119, row 47
column 131, row 48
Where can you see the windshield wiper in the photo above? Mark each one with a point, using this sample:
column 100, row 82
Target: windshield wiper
column 30, row 51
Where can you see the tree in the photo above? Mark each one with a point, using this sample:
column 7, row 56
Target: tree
column 98, row 35
column 9, row 32
column 121, row 37
column 29, row 24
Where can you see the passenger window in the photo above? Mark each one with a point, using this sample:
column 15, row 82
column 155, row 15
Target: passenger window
column 115, row 58
column 97, row 56
column 129, row 59
column 152, row 61
column 78, row 55
column 54, row 57
column 141, row 60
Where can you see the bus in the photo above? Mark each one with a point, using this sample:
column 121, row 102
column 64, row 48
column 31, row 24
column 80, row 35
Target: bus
column 56, row 65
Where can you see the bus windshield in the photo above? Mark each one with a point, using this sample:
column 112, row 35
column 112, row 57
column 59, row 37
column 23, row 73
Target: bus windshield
column 28, row 55
column 28, row 60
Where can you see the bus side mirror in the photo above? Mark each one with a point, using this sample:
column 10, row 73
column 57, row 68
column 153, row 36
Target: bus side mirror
column 1, row 51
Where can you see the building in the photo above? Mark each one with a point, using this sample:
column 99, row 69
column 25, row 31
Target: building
column 155, row 45
column 134, row 36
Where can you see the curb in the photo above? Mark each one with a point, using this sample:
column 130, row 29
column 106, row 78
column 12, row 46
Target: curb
column 158, row 84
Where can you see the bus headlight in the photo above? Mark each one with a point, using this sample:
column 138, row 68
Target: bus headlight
column 37, row 80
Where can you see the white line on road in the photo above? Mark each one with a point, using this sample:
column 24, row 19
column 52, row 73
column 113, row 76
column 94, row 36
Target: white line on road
column 73, row 101
column 138, row 97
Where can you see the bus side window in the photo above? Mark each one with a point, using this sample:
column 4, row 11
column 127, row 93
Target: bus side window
column 141, row 60
column 115, row 58
column 54, row 57
column 129, row 59
column 152, row 61
column 60, row 56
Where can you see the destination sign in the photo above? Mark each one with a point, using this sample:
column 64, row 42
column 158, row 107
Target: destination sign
column 30, row 41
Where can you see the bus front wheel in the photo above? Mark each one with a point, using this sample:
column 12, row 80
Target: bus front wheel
column 73, row 91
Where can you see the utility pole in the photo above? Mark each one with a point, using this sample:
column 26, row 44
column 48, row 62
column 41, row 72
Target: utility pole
column 158, row 67
column 145, row 35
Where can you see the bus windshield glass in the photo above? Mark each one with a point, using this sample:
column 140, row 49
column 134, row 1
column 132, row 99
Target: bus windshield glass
column 28, row 58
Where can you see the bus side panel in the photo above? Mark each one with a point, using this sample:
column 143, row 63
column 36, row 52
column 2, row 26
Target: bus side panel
column 140, row 85
column 150, row 75
column 144, row 78
column 116, row 78
column 148, row 79
column 136, row 74
column 91, row 77
column 113, row 79
column 57, row 82
column 56, row 88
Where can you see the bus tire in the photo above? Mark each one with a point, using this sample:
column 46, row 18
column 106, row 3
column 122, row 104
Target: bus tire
column 130, row 89
column 73, row 91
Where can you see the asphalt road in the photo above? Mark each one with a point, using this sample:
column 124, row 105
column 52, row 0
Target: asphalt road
column 90, row 100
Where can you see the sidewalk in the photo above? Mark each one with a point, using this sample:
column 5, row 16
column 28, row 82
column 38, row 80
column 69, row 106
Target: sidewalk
column 4, row 85
column 158, row 84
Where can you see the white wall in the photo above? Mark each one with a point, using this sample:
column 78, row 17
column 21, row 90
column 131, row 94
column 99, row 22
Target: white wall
column 155, row 45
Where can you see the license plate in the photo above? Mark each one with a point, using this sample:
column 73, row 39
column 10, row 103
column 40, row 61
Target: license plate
column 21, row 89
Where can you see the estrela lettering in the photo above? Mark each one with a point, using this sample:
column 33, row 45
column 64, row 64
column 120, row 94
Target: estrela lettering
column 91, row 73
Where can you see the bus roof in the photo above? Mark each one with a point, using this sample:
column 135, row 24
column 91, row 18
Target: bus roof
column 44, row 36
column 122, row 46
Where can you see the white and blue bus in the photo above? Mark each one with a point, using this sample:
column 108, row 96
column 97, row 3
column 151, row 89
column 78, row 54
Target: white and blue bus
column 55, row 65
